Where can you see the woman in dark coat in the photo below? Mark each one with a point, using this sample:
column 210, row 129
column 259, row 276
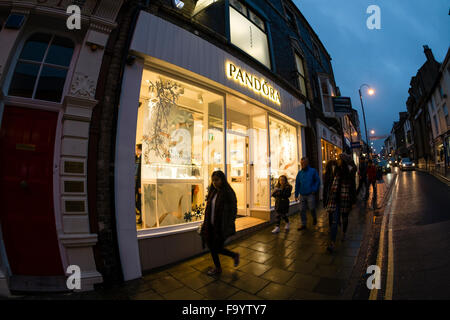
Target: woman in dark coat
column 330, row 172
column 220, row 217
column 339, row 199
column 282, row 193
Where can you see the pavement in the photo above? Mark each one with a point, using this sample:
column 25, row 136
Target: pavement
column 291, row 265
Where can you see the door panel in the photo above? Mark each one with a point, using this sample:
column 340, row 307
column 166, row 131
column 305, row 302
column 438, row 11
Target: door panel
column 237, row 169
column 27, row 140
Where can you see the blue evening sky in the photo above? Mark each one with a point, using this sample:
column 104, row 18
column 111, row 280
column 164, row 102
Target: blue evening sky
column 385, row 59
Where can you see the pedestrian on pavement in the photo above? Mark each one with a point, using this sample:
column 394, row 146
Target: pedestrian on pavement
column 330, row 172
column 372, row 181
column 307, row 184
column 219, row 222
column 339, row 200
column 363, row 187
column 282, row 193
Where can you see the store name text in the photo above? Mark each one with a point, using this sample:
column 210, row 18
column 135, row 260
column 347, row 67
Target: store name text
column 260, row 86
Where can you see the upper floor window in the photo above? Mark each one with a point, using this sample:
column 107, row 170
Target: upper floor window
column 248, row 32
column 301, row 74
column 327, row 93
column 42, row 68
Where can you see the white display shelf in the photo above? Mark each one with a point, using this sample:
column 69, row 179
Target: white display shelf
column 168, row 180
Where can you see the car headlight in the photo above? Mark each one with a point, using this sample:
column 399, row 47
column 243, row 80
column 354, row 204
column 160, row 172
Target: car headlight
column 414, row 164
column 390, row 161
column 388, row 166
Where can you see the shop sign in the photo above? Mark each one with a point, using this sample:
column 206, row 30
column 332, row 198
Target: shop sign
column 258, row 85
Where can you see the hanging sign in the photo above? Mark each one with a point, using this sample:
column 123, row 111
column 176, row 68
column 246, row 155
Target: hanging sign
column 258, row 85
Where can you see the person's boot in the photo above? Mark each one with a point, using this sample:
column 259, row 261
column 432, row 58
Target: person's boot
column 236, row 259
column 286, row 227
column 214, row 271
column 314, row 221
column 276, row 229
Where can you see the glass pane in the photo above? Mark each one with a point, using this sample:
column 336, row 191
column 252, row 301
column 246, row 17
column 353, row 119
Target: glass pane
column 256, row 20
column 283, row 152
column 181, row 131
column 166, row 204
column 35, row 47
column 260, row 164
column 51, row 84
column 60, row 52
column 237, row 159
column 23, row 80
column 249, row 38
column 302, row 85
column 239, row 6
column 299, row 62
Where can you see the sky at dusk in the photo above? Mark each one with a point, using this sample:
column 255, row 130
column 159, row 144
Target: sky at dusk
column 385, row 59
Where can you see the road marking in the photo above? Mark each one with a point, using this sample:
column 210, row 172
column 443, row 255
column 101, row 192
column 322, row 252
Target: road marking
column 390, row 270
column 386, row 214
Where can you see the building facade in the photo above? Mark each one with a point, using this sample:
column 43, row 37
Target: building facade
column 438, row 102
column 138, row 108
column 48, row 80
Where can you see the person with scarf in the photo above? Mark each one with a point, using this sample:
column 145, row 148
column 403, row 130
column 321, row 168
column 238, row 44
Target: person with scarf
column 219, row 222
column 339, row 199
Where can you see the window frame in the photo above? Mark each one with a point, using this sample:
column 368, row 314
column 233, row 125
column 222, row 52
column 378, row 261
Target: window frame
column 266, row 31
column 16, row 59
column 303, row 76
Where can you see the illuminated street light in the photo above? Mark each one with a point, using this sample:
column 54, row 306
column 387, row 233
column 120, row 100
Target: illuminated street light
column 371, row 92
column 372, row 131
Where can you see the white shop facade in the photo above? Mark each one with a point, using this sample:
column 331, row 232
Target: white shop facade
column 193, row 108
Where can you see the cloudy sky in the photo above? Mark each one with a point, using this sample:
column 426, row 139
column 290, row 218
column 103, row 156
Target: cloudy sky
column 385, row 59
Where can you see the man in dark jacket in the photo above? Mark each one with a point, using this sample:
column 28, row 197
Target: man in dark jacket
column 306, row 184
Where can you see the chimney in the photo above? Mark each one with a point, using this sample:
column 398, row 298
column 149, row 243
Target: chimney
column 428, row 53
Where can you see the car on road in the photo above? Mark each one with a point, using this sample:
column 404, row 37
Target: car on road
column 385, row 166
column 407, row 164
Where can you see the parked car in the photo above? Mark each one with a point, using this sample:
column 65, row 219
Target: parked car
column 407, row 164
column 385, row 166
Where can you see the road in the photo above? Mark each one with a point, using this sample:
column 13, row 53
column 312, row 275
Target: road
column 420, row 241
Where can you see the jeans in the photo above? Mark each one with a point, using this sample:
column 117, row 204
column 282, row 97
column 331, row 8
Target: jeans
column 216, row 246
column 280, row 216
column 335, row 217
column 307, row 202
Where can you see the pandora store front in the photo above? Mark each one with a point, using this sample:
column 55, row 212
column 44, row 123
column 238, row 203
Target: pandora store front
column 189, row 108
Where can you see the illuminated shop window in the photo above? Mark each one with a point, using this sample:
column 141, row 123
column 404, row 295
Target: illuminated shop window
column 283, row 153
column 42, row 68
column 180, row 128
column 329, row 152
column 248, row 32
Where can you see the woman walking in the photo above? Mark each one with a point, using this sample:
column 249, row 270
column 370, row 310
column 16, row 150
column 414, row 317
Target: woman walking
column 282, row 193
column 330, row 172
column 339, row 200
column 219, row 223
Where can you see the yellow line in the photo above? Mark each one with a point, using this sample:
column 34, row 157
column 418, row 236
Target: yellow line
column 374, row 292
column 390, row 271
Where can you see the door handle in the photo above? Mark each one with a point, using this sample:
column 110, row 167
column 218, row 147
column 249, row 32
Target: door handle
column 23, row 184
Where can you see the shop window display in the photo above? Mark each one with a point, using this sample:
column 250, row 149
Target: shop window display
column 180, row 128
column 329, row 152
column 283, row 152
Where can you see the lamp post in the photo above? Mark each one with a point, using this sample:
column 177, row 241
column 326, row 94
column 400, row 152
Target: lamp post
column 371, row 92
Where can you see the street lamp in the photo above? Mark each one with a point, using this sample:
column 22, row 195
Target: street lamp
column 370, row 92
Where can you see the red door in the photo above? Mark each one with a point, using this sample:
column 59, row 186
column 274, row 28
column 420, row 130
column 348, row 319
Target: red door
column 27, row 140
